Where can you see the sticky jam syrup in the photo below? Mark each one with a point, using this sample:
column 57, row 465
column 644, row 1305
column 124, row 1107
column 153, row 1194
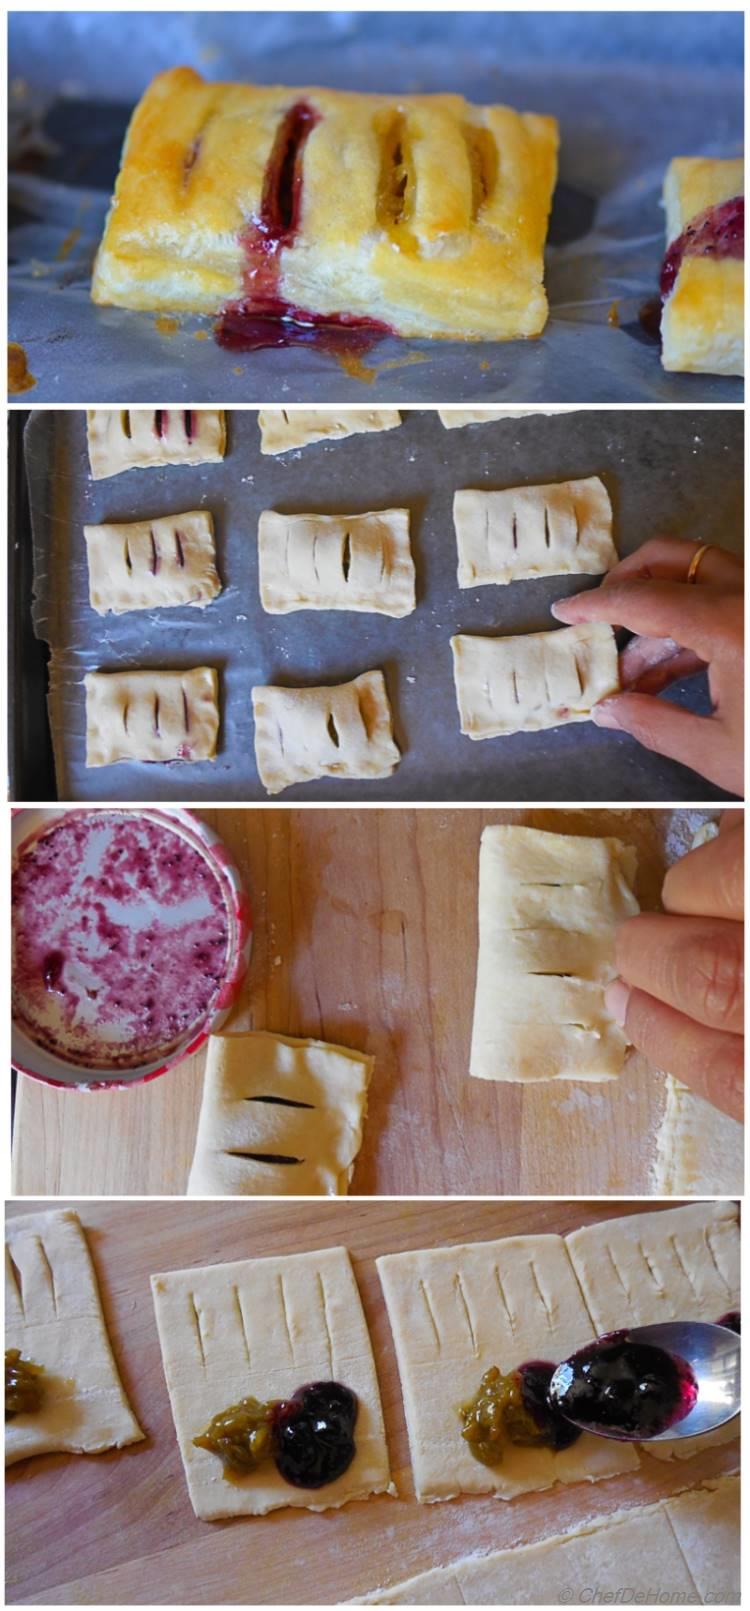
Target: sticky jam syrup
column 717, row 232
column 121, row 938
column 313, row 1434
column 262, row 318
column 625, row 1389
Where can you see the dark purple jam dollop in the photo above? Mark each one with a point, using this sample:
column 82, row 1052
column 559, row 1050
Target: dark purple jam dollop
column 732, row 1320
column 313, row 1434
column 557, row 1433
column 717, row 232
column 625, row 1389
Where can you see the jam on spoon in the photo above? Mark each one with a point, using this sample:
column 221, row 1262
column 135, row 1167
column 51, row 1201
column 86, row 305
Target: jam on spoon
column 24, row 1389
column 624, row 1389
column 310, row 1436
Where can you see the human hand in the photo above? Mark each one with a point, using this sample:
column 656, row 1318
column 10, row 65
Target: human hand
column 681, row 629
column 679, row 997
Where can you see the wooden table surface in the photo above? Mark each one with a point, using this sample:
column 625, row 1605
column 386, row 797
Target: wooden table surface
column 118, row 1528
column 366, row 935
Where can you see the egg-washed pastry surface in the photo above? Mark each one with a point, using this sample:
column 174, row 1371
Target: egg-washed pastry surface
column 336, row 562
column 422, row 215
column 279, row 1117
column 703, row 275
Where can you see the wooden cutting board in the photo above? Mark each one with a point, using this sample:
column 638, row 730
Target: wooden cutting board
column 366, row 934
column 118, row 1529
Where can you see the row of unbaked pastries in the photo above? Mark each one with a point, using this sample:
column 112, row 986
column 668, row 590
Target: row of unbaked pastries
column 267, row 1326
column 421, row 216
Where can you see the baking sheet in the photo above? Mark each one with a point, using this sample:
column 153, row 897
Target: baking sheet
column 630, row 90
column 678, row 472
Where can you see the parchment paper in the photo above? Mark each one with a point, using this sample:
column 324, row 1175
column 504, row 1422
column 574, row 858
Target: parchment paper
column 631, row 91
column 666, row 471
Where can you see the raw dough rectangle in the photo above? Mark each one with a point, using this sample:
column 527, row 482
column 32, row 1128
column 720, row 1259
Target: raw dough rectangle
column 564, row 529
column 336, row 562
column 53, row 1314
column 151, row 715
column 699, row 1150
column 148, row 564
column 306, row 733
column 264, row 1327
column 677, row 1264
column 275, row 1096
column 548, row 907
column 544, row 679
column 684, row 1550
column 453, row 418
column 454, row 1312
column 282, row 429
column 141, row 438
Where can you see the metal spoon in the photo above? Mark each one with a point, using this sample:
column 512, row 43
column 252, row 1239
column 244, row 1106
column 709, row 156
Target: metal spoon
column 713, row 1354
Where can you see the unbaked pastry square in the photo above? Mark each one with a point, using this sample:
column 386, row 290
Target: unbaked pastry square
column 564, row 529
column 454, row 418
column 543, row 679
column 284, row 428
column 264, row 1328
column 145, row 438
column 456, row 1311
column 280, row 1117
column 423, row 214
column 675, row 1264
column 702, row 324
column 549, row 906
column 340, row 732
column 53, row 1314
column 151, row 715
column 700, row 1151
column 148, row 564
column 336, row 562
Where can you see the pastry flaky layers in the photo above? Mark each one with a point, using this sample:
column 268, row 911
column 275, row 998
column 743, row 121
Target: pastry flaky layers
column 424, row 213
column 702, row 326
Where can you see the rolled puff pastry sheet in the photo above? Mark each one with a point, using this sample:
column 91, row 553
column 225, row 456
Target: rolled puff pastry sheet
column 151, row 715
column 282, row 429
column 53, row 1314
column 147, row 564
column 702, row 324
column 340, row 732
column 454, row 1312
column 564, row 529
column 543, row 679
column 269, row 1097
column 676, row 1264
column 685, row 1549
column 145, row 438
column 549, row 905
column 698, row 1149
column 336, row 562
column 264, row 1327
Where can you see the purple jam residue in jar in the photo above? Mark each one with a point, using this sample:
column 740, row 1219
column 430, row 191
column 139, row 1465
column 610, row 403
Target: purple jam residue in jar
column 121, row 939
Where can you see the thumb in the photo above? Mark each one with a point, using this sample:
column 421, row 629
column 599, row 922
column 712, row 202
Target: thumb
column 661, row 726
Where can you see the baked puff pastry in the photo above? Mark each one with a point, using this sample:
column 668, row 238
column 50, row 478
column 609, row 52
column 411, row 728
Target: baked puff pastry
column 564, row 529
column 307, row 733
column 702, row 279
column 336, row 562
column 151, row 715
column 147, row 563
column 421, row 215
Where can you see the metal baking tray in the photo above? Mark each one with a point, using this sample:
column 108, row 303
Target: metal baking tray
column 678, row 472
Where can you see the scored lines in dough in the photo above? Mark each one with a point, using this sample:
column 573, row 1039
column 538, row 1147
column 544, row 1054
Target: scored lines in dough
column 563, row 529
column 282, row 429
column 336, row 562
column 265, row 1327
column 280, row 1116
column 151, row 715
column 549, row 905
column 144, row 438
column 145, row 564
column 540, row 680
column 306, row 733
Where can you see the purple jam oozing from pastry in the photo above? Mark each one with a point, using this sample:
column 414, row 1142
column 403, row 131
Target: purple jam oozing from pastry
column 625, row 1389
column 717, row 232
column 313, row 1434
column 536, row 1375
column 121, row 939
column 262, row 318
